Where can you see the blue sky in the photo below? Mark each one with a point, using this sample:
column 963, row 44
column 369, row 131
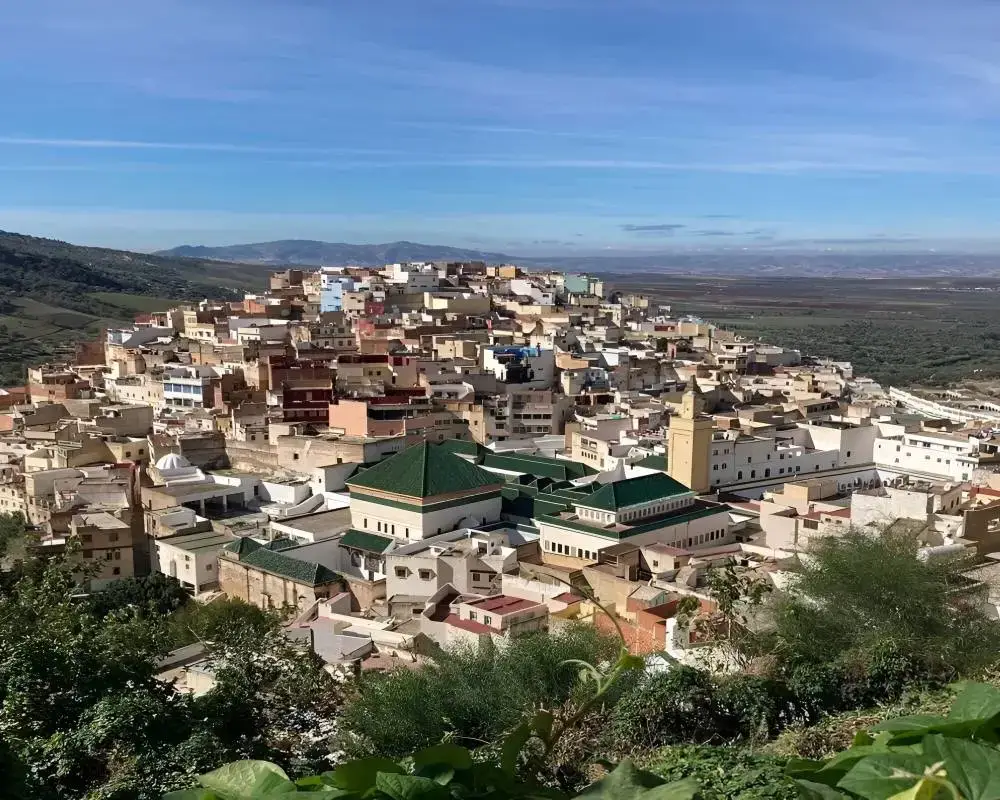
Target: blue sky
column 525, row 126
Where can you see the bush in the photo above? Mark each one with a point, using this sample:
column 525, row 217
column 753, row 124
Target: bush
column 751, row 707
column 154, row 594
column 220, row 621
column 871, row 604
column 667, row 708
column 473, row 695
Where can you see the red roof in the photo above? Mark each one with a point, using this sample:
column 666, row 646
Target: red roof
column 567, row 597
column 467, row 624
column 502, row 604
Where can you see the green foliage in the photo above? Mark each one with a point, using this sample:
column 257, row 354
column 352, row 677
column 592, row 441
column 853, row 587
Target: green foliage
column 156, row 595
column 448, row 770
column 83, row 715
column 473, row 695
column 725, row 773
column 871, row 607
column 667, row 708
column 439, row 774
column 925, row 756
column 220, row 620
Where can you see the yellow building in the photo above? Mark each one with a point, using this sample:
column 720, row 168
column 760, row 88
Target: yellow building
column 689, row 440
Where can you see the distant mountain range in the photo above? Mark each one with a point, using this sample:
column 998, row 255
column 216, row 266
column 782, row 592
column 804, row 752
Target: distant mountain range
column 298, row 252
column 291, row 252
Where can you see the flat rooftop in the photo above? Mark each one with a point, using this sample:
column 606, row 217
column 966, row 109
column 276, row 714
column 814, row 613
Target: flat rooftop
column 198, row 542
column 319, row 523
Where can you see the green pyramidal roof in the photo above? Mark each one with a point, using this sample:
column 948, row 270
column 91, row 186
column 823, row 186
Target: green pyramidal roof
column 634, row 491
column 424, row 470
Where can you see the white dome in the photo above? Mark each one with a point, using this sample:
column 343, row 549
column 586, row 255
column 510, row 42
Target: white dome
column 172, row 461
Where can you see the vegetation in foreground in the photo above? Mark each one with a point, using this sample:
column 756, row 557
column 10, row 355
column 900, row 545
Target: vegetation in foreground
column 83, row 716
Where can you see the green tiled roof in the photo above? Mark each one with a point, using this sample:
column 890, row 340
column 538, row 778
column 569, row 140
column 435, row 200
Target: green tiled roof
column 307, row 572
column 281, row 543
column 243, row 546
column 520, row 501
column 424, row 470
column 633, row 491
column 653, row 462
column 633, row 530
column 460, row 447
column 362, row 540
column 539, row 466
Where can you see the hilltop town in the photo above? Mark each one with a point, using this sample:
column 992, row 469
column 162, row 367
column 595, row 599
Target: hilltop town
column 426, row 455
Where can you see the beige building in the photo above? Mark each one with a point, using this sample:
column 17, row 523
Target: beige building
column 267, row 578
column 689, row 439
column 423, row 491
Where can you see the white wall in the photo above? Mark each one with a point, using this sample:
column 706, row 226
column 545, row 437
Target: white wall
column 377, row 518
column 675, row 535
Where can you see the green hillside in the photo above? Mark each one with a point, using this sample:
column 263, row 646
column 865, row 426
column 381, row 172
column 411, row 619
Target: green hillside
column 53, row 293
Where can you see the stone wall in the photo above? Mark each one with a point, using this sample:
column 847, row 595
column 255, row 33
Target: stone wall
column 266, row 590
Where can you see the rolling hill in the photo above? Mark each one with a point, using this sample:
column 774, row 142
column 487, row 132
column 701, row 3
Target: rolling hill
column 53, row 293
column 313, row 253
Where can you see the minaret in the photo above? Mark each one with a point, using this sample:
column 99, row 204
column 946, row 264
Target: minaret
column 689, row 441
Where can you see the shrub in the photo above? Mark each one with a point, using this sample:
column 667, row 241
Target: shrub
column 753, row 707
column 667, row 708
column 473, row 695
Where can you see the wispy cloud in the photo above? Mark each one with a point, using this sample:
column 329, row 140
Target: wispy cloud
column 665, row 228
column 208, row 147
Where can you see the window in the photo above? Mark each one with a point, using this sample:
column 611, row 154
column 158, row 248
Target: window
column 128, row 454
column 116, row 571
column 425, row 574
column 739, row 475
column 366, row 522
column 487, row 619
column 295, row 456
column 401, row 572
column 107, row 555
column 767, row 473
column 209, row 566
column 848, row 453
column 715, row 467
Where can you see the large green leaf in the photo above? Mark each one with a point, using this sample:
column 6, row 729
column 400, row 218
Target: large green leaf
column 916, row 723
column 190, row 794
column 409, row 787
column 359, row 776
column 810, row 790
column 513, row 744
column 883, row 775
column 686, row 789
column 973, row 768
column 243, row 779
column 624, row 782
column 978, row 702
column 451, row 754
